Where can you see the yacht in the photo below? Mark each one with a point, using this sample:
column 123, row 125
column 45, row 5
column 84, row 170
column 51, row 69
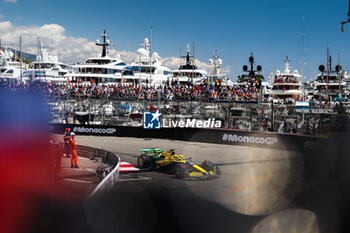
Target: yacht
column 253, row 82
column 308, row 89
column 286, row 86
column 347, row 82
column 98, row 70
column 216, row 75
column 189, row 72
column 46, row 68
column 330, row 85
column 10, row 70
column 145, row 69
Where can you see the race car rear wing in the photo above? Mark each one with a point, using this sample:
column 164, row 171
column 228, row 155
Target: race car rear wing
column 147, row 151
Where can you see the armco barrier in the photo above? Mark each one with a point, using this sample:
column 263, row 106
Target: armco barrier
column 108, row 182
column 289, row 142
column 107, row 157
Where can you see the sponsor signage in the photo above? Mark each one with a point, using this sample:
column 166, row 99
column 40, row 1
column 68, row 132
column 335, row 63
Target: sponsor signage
column 153, row 120
column 91, row 130
column 193, row 123
column 190, row 132
column 249, row 139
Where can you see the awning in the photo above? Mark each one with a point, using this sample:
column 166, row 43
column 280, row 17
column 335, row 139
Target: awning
column 131, row 68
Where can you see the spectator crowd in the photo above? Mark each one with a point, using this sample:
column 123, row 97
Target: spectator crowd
column 170, row 91
column 286, row 79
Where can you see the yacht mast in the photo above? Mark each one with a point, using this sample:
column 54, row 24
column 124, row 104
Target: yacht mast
column 180, row 58
column 104, row 44
column 39, row 58
column 348, row 21
column 194, row 59
column 339, row 72
column 215, row 73
column 302, row 50
column 150, row 57
column 328, row 70
column 20, row 56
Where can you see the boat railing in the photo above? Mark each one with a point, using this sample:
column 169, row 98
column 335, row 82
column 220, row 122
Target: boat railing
column 286, row 80
column 325, row 91
column 329, row 81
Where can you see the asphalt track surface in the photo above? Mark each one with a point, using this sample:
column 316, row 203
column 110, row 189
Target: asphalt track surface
column 83, row 179
column 260, row 190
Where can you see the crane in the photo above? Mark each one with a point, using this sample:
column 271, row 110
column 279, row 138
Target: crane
column 348, row 21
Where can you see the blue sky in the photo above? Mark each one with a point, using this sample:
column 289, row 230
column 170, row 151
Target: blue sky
column 271, row 29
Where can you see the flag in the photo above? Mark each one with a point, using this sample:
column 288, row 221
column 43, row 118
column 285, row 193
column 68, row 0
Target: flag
column 152, row 108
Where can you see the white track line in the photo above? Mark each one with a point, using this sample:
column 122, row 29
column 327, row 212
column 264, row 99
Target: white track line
column 123, row 169
column 135, row 179
column 90, row 170
column 79, row 181
column 124, row 163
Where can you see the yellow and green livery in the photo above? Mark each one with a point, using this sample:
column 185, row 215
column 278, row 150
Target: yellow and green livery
column 157, row 159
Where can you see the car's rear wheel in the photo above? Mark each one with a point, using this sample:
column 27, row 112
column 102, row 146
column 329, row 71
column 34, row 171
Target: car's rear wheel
column 218, row 171
column 207, row 165
column 143, row 161
column 181, row 170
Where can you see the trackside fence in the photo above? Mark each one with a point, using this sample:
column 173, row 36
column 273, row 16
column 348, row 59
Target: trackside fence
column 290, row 142
column 108, row 182
column 106, row 157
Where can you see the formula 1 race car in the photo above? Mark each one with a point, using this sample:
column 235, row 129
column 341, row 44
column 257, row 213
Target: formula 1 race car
column 157, row 159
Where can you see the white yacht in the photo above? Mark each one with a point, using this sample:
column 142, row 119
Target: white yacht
column 253, row 81
column 253, row 77
column 286, row 86
column 346, row 78
column 10, row 70
column 145, row 69
column 189, row 72
column 308, row 89
column 330, row 85
column 46, row 68
column 102, row 69
column 216, row 74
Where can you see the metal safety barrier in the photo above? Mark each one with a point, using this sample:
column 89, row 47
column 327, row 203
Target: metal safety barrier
column 107, row 157
column 109, row 181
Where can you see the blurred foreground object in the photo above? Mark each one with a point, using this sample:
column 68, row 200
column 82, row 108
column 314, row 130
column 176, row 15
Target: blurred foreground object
column 27, row 171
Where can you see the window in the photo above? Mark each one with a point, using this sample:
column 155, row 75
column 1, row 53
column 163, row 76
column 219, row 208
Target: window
column 146, row 69
column 110, row 71
column 99, row 61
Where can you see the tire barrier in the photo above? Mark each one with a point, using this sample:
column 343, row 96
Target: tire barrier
column 290, row 142
column 108, row 172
